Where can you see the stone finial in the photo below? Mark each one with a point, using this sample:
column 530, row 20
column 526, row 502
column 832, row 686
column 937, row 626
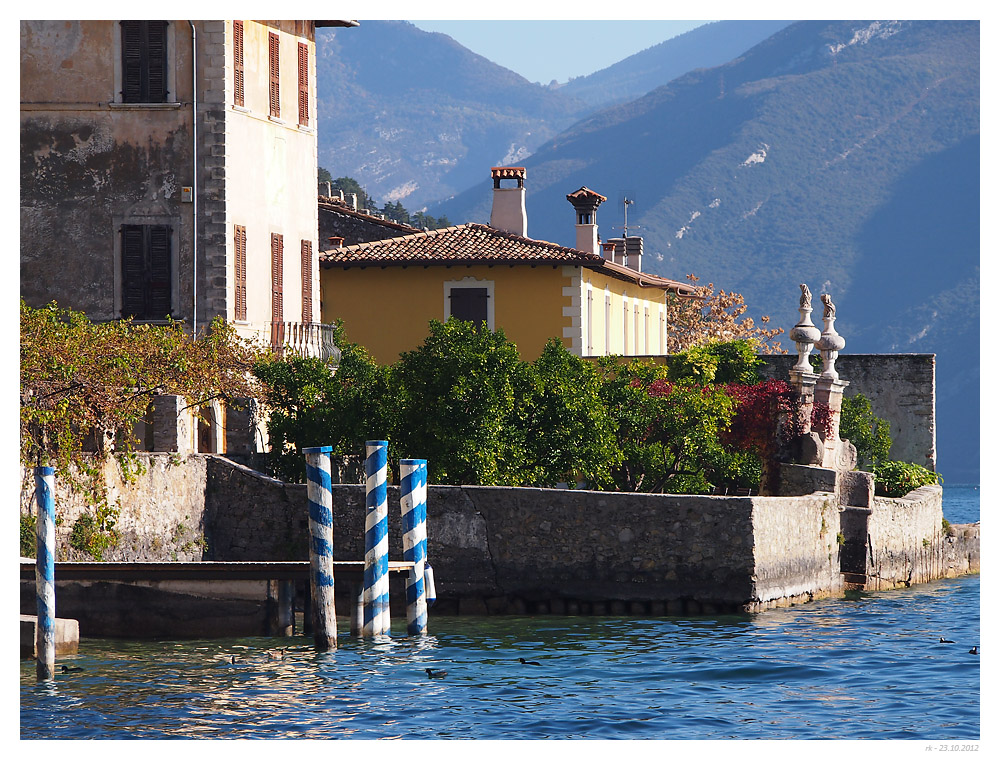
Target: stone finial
column 805, row 333
column 830, row 342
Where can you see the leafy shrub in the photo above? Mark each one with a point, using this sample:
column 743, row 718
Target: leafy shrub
column 28, row 540
column 868, row 433
column 733, row 361
column 95, row 534
column 895, row 479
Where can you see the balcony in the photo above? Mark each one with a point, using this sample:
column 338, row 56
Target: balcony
column 304, row 339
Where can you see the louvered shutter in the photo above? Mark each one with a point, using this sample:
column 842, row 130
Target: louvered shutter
column 157, row 62
column 132, row 61
column 240, row 247
column 307, row 281
column 273, row 60
column 469, row 304
column 133, row 271
column 238, row 62
column 277, row 278
column 144, row 61
column 303, row 84
column 158, row 304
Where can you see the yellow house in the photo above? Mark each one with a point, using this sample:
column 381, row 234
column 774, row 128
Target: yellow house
column 386, row 291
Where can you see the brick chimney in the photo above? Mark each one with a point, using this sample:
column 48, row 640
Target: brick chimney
column 585, row 202
column 509, row 213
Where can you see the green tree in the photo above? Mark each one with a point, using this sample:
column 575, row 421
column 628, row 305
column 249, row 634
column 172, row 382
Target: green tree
column 323, row 175
column 461, row 405
column 351, row 185
column 570, row 433
column 868, row 433
column 311, row 405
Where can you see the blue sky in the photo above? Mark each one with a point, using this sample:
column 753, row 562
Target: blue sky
column 541, row 51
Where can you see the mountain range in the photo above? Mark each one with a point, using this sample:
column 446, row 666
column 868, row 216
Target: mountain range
column 842, row 154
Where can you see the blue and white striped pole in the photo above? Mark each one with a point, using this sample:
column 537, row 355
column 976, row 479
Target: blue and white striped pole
column 320, row 493
column 376, row 583
column 413, row 508
column 45, row 574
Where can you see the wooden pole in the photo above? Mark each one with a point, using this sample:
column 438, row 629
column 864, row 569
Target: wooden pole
column 320, row 495
column 45, row 587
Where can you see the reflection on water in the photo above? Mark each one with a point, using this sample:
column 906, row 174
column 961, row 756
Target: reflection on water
column 873, row 660
column 865, row 667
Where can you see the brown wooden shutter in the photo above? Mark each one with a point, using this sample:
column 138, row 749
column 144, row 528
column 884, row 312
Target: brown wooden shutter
column 159, row 271
column 157, row 67
column 307, row 281
column 303, row 84
column 133, row 266
column 238, row 62
column 273, row 70
column 469, row 304
column 131, row 61
column 144, row 61
column 146, row 271
column 277, row 278
column 240, row 248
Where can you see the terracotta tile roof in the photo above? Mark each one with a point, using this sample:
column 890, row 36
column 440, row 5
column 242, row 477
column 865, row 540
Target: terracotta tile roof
column 338, row 206
column 479, row 244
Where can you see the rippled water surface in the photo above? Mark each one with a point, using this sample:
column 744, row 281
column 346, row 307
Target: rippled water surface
column 866, row 667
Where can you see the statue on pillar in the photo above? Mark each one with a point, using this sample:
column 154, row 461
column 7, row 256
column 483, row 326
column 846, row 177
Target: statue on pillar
column 830, row 342
column 805, row 333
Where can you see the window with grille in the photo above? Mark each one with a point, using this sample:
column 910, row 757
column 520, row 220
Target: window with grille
column 272, row 66
column 146, row 271
column 240, row 261
column 144, row 61
column 277, row 278
column 307, row 281
column 303, row 84
column 238, row 63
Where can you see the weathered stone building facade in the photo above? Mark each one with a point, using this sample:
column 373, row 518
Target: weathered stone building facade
column 168, row 168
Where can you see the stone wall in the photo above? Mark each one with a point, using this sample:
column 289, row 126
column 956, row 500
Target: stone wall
column 336, row 220
column 908, row 542
column 160, row 513
column 901, row 390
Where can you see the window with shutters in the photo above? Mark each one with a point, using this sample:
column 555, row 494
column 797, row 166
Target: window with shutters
column 469, row 299
column 272, row 66
column 240, row 261
column 238, row 63
column 307, row 281
column 277, row 278
column 146, row 271
column 144, row 61
column 469, row 304
column 303, row 84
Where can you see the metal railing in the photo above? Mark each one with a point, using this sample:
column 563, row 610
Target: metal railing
column 305, row 339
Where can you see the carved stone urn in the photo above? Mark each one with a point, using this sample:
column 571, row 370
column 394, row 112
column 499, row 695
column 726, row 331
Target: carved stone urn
column 830, row 342
column 805, row 333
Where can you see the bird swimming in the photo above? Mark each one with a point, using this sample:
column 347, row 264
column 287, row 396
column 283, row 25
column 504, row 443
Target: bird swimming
column 943, row 640
column 431, row 673
column 70, row 668
column 527, row 662
column 974, row 650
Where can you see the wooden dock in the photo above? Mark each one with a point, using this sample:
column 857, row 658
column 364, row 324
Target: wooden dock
column 202, row 571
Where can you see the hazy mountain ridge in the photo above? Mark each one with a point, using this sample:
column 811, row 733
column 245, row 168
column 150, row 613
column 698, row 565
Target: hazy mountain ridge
column 842, row 154
column 416, row 117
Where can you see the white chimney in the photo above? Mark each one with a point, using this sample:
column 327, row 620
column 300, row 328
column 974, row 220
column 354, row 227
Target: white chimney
column 585, row 202
column 509, row 213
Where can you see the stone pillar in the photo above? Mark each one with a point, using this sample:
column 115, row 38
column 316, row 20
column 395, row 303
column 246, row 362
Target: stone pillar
column 172, row 425
column 240, row 426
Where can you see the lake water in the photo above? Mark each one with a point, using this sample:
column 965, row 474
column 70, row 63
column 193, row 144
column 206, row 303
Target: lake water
column 865, row 667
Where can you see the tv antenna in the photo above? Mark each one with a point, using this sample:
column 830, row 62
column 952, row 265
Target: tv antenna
column 626, row 202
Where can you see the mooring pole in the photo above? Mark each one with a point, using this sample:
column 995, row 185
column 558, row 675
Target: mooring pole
column 376, row 589
column 320, row 495
column 413, row 509
column 45, row 574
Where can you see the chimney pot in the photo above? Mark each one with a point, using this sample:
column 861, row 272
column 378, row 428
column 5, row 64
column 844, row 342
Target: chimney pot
column 509, row 213
column 336, row 242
